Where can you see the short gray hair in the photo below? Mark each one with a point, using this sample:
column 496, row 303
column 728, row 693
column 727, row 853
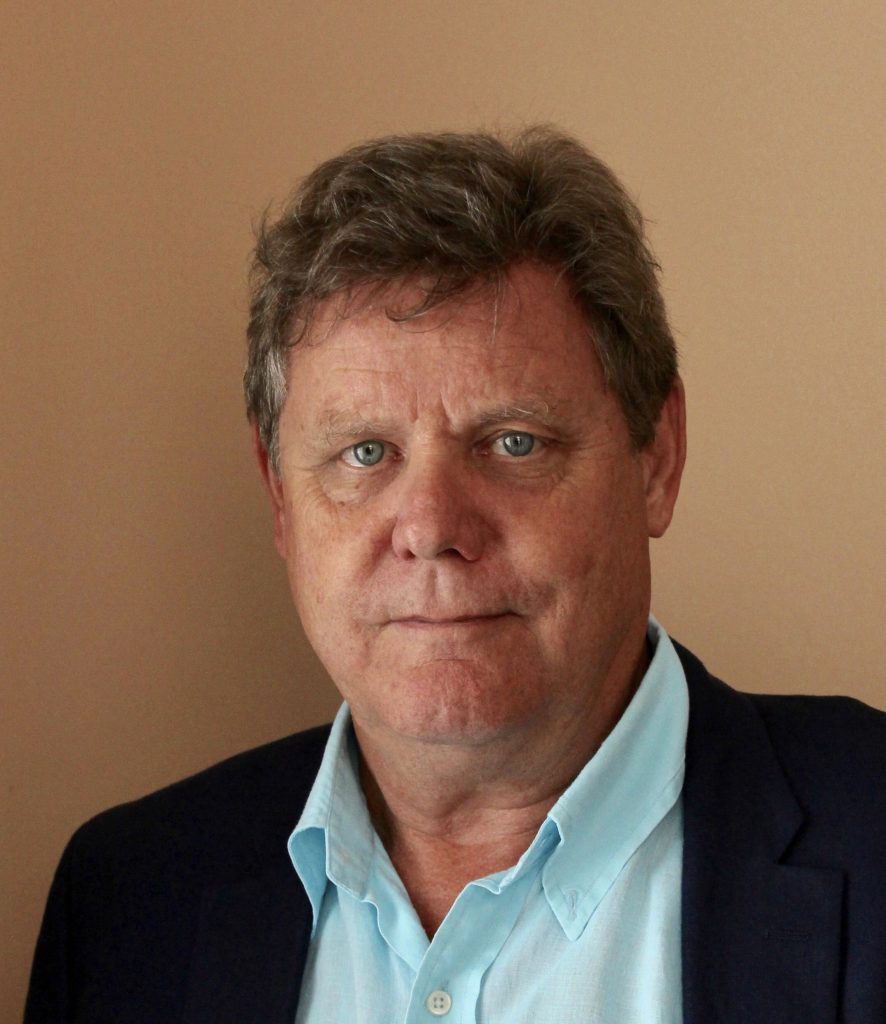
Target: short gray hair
column 448, row 211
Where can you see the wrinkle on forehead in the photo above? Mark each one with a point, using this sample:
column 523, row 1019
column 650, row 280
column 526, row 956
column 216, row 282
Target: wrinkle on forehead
column 401, row 301
column 487, row 360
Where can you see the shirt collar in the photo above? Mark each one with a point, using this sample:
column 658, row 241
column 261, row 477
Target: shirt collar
column 590, row 833
column 334, row 839
column 622, row 793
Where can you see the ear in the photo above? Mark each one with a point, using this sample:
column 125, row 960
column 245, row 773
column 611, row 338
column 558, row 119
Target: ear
column 274, row 487
column 663, row 461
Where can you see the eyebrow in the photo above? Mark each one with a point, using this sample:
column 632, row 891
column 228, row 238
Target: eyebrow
column 337, row 426
column 532, row 409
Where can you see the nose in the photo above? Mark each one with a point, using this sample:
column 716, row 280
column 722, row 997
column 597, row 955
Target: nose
column 437, row 511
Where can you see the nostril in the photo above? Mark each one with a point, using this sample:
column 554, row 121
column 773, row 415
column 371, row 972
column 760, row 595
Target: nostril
column 460, row 539
column 435, row 515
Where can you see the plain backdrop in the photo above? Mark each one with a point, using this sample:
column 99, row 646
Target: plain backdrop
column 147, row 628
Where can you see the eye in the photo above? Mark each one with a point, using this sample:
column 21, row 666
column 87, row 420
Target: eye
column 517, row 443
column 366, row 453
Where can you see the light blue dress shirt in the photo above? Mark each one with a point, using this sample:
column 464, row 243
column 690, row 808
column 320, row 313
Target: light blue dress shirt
column 585, row 927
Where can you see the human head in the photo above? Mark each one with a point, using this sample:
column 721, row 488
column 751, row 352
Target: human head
column 449, row 211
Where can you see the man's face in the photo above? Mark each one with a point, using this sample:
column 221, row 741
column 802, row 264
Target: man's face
column 464, row 521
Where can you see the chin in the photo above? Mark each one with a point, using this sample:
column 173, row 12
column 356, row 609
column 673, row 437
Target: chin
column 454, row 702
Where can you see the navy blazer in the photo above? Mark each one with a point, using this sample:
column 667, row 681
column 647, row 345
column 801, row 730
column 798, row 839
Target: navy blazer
column 183, row 907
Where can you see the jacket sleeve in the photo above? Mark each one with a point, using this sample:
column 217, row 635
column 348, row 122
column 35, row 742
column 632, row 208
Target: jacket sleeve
column 48, row 999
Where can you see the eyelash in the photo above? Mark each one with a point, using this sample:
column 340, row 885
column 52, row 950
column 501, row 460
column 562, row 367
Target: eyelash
column 353, row 447
column 538, row 444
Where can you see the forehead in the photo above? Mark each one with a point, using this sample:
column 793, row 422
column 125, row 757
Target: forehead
column 521, row 340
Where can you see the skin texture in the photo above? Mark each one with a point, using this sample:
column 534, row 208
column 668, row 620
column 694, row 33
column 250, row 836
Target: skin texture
column 483, row 613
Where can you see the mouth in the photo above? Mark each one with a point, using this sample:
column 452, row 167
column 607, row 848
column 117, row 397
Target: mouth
column 449, row 621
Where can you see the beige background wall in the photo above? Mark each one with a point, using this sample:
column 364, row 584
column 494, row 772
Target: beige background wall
column 146, row 625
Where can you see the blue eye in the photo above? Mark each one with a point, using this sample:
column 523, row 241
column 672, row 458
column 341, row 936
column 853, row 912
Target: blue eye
column 366, row 453
column 517, row 443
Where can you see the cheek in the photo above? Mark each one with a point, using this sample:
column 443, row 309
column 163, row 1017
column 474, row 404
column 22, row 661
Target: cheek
column 328, row 555
column 589, row 542
column 323, row 594
column 311, row 557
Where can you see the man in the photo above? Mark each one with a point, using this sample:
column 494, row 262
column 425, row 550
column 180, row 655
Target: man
column 533, row 805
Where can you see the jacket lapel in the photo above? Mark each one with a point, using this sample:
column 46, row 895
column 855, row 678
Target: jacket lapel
column 761, row 938
column 250, row 951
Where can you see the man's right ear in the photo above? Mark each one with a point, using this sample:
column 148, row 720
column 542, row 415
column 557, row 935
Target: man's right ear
column 274, row 487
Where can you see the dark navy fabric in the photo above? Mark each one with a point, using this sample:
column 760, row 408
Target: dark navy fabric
column 183, row 907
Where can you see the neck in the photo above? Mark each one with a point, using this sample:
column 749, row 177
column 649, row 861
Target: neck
column 448, row 813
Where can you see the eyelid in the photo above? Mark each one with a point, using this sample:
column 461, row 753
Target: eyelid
column 346, row 456
column 540, row 442
column 355, row 464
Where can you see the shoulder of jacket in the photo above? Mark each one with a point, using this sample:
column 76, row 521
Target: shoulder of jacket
column 839, row 737
column 229, row 810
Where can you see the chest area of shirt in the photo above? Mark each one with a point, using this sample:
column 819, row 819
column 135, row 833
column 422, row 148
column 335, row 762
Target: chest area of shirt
column 504, row 955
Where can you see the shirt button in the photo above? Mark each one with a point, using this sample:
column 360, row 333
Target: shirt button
column 439, row 1003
